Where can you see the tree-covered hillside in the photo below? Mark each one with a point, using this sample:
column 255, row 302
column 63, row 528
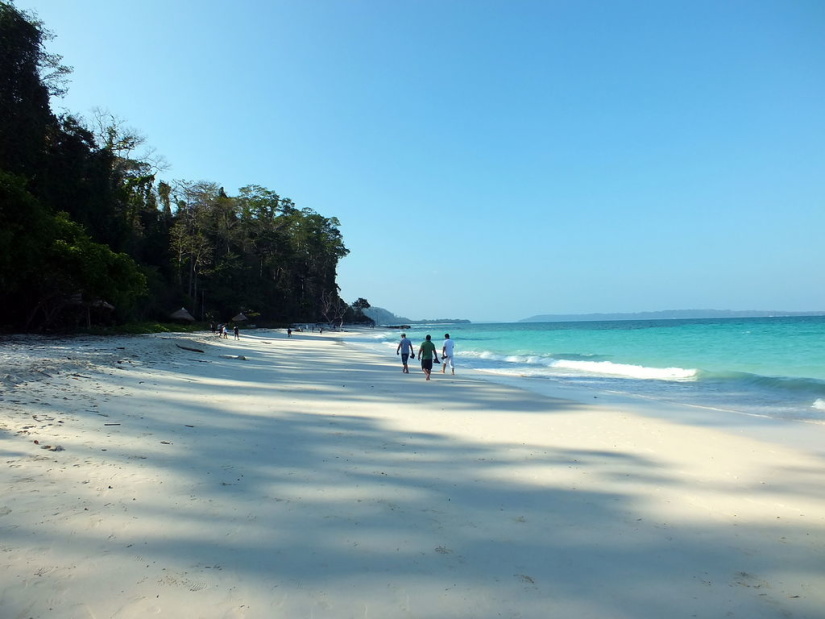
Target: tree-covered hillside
column 90, row 234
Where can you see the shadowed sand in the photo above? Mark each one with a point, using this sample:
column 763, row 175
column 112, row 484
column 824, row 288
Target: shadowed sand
column 309, row 480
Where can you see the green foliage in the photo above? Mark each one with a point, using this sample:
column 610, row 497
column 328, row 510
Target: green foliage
column 98, row 273
column 24, row 235
column 84, row 225
column 25, row 115
column 355, row 313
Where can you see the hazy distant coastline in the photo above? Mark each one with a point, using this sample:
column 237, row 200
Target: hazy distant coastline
column 383, row 317
column 668, row 315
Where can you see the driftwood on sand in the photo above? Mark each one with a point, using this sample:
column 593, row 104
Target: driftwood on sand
column 189, row 348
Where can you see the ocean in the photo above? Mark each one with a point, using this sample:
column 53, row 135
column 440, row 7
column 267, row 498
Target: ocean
column 772, row 367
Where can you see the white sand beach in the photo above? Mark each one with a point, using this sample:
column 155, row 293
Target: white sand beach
column 297, row 477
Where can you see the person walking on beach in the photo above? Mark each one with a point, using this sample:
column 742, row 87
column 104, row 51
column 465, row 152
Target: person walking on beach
column 405, row 348
column 237, row 333
column 426, row 353
column 447, row 354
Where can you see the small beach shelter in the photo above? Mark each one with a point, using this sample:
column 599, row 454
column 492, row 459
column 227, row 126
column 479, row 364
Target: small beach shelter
column 182, row 314
column 240, row 317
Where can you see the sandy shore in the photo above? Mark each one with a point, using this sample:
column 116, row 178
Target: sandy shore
column 307, row 479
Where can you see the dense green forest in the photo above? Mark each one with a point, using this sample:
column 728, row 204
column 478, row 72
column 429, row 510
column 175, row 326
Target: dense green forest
column 90, row 235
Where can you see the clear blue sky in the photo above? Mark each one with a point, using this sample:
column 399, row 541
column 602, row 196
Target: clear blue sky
column 493, row 160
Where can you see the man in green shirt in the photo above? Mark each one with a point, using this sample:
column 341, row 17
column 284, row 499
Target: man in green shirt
column 426, row 353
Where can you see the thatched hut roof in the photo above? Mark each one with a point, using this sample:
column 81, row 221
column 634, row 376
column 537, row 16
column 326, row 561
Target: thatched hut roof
column 182, row 314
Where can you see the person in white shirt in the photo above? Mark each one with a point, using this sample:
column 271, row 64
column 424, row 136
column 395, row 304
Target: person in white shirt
column 447, row 354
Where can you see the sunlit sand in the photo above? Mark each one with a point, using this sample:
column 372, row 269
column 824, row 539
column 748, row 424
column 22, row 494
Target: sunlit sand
column 310, row 480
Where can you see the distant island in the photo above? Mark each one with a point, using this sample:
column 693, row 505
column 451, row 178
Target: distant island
column 384, row 317
column 668, row 315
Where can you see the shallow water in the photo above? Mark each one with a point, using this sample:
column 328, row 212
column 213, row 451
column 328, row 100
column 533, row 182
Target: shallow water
column 765, row 366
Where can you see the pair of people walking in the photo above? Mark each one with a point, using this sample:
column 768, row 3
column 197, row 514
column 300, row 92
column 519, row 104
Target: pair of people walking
column 427, row 354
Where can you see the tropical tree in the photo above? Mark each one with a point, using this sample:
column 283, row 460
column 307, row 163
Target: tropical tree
column 82, row 275
column 26, row 72
column 333, row 308
column 84, row 221
column 355, row 313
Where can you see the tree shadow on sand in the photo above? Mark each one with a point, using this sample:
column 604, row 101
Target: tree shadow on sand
column 316, row 513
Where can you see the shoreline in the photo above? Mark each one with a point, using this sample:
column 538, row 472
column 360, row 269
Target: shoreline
column 807, row 434
column 775, row 370
column 313, row 479
column 792, row 432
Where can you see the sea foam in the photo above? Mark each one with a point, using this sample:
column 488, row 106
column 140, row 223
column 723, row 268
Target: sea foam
column 581, row 367
column 609, row 368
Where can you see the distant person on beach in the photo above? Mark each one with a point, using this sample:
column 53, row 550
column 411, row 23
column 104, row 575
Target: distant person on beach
column 447, row 354
column 405, row 348
column 289, row 332
column 237, row 333
column 427, row 354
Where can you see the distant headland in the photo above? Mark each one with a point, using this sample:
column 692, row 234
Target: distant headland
column 668, row 315
column 384, row 317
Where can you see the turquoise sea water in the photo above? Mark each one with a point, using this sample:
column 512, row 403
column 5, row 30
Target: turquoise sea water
column 764, row 366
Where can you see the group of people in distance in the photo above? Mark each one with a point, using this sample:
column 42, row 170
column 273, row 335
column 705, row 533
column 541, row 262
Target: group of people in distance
column 427, row 354
column 223, row 330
